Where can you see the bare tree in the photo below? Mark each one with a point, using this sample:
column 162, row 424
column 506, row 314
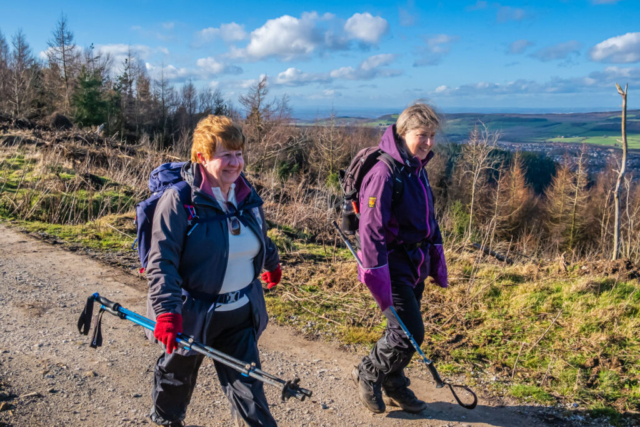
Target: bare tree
column 64, row 54
column 255, row 104
column 623, row 168
column 165, row 96
column 330, row 146
column 98, row 63
column 189, row 102
column 23, row 75
column 578, row 187
column 267, row 124
column 566, row 202
column 475, row 163
column 4, row 73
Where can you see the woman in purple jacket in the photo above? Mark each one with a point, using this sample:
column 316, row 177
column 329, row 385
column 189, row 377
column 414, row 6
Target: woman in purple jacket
column 401, row 245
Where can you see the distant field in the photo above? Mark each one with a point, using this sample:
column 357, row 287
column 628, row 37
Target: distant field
column 588, row 128
column 634, row 141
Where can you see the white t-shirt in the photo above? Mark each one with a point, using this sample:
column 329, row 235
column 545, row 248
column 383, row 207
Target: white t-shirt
column 243, row 248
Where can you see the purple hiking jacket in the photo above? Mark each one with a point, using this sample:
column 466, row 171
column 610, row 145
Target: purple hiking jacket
column 410, row 220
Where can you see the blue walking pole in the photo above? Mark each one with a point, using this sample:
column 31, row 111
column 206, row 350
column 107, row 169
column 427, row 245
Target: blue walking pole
column 288, row 388
column 434, row 373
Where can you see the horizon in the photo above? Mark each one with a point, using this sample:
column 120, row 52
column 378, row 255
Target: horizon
column 318, row 112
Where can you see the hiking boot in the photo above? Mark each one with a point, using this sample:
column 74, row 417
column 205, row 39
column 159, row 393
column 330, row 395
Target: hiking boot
column 370, row 393
column 405, row 399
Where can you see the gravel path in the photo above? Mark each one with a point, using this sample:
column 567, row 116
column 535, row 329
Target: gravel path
column 50, row 376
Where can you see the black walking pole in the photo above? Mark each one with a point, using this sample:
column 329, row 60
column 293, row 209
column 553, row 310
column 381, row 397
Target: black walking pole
column 434, row 373
column 288, row 388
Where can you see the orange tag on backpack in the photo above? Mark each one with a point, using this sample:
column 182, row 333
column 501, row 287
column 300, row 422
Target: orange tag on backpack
column 372, row 201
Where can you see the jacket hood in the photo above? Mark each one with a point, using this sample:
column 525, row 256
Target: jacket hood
column 390, row 144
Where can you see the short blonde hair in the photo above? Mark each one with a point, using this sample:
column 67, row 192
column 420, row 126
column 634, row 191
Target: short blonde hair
column 213, row 131
column 417, row 116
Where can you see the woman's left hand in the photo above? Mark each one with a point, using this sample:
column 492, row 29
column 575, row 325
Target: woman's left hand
column 272, row 278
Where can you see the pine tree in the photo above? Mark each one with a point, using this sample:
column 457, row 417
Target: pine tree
column 90, row 107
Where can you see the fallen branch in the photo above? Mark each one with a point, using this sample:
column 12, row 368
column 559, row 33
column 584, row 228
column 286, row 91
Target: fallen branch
column 121, row 232
column 488, row 251
column 545, row 332
column 513, row 372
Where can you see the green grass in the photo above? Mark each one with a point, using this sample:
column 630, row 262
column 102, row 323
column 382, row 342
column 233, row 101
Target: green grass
column 612, row 141
column 50, row 193
column 531, row 393
column 95, row 235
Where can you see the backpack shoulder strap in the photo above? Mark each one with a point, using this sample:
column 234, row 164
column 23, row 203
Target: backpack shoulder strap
column 396, row 174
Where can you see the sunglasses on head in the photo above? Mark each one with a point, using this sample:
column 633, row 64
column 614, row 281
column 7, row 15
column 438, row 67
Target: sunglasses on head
column 233, row 221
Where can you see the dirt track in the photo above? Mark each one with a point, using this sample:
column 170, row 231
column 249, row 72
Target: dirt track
column 50, row 376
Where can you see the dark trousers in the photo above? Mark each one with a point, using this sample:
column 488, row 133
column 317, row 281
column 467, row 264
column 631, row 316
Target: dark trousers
column 175, row 376
column 392, row 353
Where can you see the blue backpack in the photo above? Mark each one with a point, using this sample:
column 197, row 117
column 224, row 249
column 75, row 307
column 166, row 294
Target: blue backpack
column 163, row 177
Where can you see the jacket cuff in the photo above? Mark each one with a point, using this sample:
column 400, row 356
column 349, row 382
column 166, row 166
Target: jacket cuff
column 438, row 266
column 378, row 280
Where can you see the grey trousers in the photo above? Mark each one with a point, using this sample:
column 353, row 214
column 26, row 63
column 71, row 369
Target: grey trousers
column 393, row 352
column 231, row 332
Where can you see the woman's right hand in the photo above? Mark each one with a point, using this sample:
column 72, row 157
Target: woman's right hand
column 168, row 326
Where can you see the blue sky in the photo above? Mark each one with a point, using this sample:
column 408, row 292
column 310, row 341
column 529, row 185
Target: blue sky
column 460, row 55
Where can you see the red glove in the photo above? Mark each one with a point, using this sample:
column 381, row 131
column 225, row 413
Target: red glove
column 272, row 278
column 168, row 326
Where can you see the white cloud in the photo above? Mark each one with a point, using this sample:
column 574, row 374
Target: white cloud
column 295, row 77
column 168, row 25
column 241, row 84
column 170, row 72
column 285, row 37
column 600, row 81
column 508, row 13
column 377, row 61
column 558, row 51
column 618, row 50
column 212, row 67
column 519, row 46
column 229, row 33
column 366, row 27
column 120, row 52
column 368, row 69
column 205, row 69
column 44, row 55
column 288, row 38
column 436, row 48
column 326, row 94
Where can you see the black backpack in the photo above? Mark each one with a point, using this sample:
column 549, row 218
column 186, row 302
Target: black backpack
column 351, row 181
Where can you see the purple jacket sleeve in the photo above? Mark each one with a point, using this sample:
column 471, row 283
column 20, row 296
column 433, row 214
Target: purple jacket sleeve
column 438, row 265
column 375, row 214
